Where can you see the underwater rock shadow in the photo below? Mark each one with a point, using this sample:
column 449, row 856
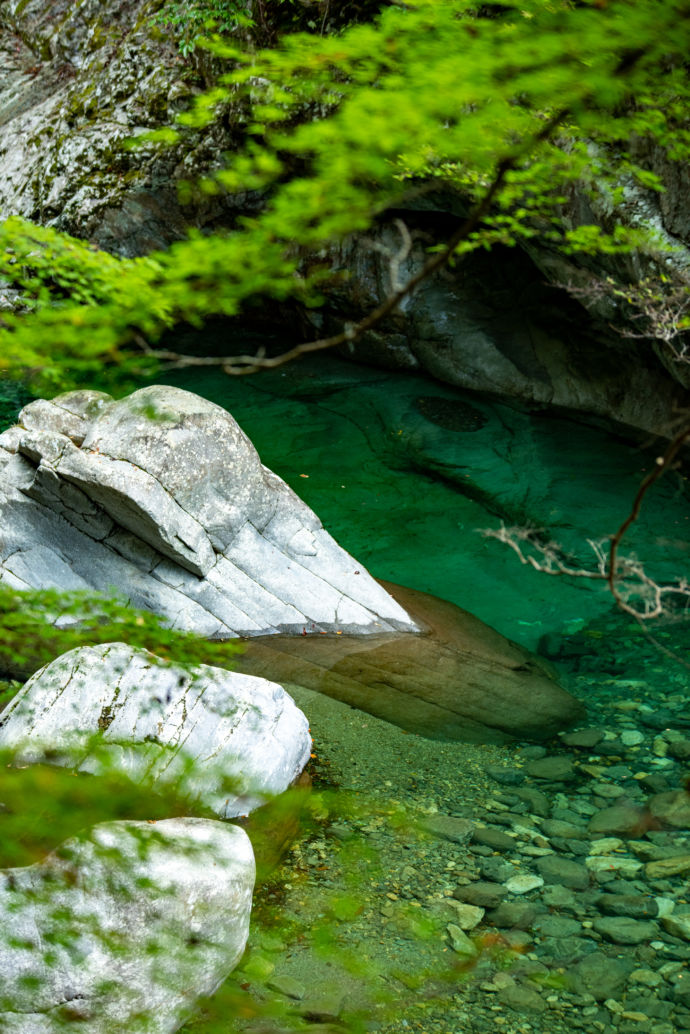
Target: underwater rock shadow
column 458, row 679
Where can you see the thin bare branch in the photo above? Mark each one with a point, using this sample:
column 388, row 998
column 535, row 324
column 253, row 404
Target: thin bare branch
column 241, row 365
column 663, row 463
column 395, row 258
column 634, row 590
column 662, row 309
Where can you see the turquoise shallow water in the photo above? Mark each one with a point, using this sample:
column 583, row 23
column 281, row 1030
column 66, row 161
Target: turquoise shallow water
column 404, row 472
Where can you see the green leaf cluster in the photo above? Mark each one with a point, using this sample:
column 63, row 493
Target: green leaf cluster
column 190, row 22
column 538, row 100
column 30, row 637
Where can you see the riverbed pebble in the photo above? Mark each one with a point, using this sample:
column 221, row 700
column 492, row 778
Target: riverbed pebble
column 561, row 889
column 567, row 873
column 556, row 768
column 623, row 930
column 623, row 818
column 523, row 883
column 482, row 894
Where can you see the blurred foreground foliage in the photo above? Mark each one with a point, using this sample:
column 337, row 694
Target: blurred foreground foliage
column 38, row 626
column 512, row 108
column 43, row 805
column 413, row 976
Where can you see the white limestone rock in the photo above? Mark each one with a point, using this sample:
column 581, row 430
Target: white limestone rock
column 163, row 496
column 70, row 414
column 229, row 741
column 124, row 927
column 131, row 497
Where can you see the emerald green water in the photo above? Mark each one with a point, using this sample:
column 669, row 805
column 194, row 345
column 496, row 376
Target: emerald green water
column 403, row 472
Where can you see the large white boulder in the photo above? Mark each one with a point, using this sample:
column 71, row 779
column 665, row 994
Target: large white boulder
column 162, row 496
column 229, row 741
column 124, row 928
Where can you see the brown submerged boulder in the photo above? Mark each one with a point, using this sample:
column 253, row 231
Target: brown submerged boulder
column 458, row 679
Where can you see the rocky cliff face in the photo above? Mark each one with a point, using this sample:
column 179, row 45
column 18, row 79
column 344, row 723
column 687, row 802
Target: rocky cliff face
column 82, row 76
column 501, row 324
column 78, row 79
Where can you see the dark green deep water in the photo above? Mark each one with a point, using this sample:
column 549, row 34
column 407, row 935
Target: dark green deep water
column 404, row 471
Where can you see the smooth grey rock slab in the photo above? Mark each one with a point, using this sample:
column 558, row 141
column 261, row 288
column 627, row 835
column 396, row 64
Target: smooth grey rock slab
column 163, row 496
column 124, row 928
column 226, row 739
column 623, row 930
column 563, row 871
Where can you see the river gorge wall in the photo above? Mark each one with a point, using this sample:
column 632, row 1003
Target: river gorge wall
column 80, row 78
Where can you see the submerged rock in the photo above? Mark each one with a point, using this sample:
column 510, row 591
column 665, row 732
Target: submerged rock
column 672, row 809
column 458, row 680
column 164, row 497
column 124, row 928
column 228, row 740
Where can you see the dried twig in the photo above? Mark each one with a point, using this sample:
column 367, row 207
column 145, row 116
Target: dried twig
column 634, row 590
column 625, row 576
column 663, row 463
column 663, row 307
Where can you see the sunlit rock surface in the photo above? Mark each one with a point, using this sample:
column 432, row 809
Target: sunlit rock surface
column 162, row 498
column 158, row 916
column 228, row 740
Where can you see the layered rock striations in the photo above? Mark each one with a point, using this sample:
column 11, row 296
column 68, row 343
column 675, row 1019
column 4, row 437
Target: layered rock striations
column 224, row 740
column 162, row 498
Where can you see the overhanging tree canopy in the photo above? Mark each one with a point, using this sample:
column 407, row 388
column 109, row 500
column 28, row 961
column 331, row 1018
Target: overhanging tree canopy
column 511, row 106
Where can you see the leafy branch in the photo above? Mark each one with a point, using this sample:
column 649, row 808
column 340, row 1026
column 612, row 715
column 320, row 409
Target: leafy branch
column 336, row 131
